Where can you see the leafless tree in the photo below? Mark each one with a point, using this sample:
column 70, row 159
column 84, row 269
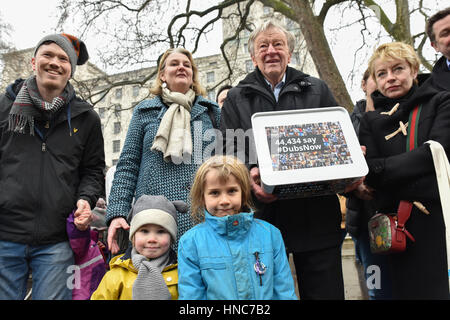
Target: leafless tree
column 5, row 30
column 5, row 45
column 142, row 29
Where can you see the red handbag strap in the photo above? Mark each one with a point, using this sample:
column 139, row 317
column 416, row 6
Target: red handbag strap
column 403, row 214
column 404, row 211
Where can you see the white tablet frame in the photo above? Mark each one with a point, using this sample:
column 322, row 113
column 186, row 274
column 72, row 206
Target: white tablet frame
column 357, row 169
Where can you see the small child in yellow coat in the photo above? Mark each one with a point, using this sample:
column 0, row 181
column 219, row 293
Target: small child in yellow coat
column 147, row 270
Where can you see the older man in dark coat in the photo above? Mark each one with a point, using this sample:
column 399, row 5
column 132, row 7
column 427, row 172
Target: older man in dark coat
column 310, row 226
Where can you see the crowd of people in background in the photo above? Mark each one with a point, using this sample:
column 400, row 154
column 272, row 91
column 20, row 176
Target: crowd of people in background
column 161, row 226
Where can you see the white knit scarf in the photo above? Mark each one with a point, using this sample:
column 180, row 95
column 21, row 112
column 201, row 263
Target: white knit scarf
column 149, row 283
column 173, row 138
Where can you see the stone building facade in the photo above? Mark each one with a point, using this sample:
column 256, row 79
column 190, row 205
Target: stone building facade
column 114, row 96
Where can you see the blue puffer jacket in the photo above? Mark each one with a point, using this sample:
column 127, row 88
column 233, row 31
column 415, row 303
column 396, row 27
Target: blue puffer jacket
column 216, row 261
column 142, row 171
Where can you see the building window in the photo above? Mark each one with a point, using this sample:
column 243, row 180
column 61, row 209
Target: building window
column 211, row 95
column 119, row 93
column 266, row 10
column 101, row 113
column 245, row 48
column 114, row 162
column 117, row 127
column 116, row 146
column 210, row 77
column 101, row 97
column 117, row 109
column 136, row 91
column 290, row 25
column 249, row 66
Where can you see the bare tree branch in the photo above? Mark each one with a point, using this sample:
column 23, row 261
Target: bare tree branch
column 143, row 29
column 325, row 8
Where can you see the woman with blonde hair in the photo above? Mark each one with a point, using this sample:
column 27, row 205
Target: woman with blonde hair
column 401, row 167
column 158, row 157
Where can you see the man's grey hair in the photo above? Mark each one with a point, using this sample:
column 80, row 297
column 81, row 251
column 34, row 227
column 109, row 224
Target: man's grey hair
column 264, row 27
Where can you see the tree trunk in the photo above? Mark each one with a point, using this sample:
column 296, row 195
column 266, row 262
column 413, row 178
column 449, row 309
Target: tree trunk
column 402, row 23
column 320, row 52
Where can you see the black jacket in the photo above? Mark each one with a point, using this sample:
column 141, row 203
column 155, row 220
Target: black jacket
column 358, row 211
column 41, row 179
column 309, row 223
column 440, row 77
column 421, row 271
column 392, row 170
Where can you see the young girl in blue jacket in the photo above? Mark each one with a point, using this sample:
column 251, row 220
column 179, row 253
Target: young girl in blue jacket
column 230, row 255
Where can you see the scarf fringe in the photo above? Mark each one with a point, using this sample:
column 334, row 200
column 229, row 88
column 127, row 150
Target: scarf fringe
column 18, row 123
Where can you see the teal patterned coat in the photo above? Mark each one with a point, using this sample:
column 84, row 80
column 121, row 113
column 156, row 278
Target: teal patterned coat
column 142, row 171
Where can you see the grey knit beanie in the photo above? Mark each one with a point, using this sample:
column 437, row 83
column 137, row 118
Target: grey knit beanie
column 74, row 47
column 156, row 210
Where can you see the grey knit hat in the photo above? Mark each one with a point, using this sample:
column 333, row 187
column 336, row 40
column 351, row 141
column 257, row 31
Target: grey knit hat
column 156, row 210
column 74, row 47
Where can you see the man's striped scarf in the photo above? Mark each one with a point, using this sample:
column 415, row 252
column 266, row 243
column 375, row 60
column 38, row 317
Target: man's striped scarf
column 29, row 106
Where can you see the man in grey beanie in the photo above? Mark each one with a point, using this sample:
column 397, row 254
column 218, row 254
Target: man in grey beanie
column 72, row 46
column 52, row 161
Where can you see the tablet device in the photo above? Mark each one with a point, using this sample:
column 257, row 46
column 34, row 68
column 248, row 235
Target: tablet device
column 308, row 152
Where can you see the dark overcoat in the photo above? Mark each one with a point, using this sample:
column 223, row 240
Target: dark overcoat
column 397, row 174
column 306, row 224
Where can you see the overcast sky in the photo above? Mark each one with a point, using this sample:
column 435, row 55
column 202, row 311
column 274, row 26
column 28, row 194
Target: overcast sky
column 31, row 20
column 37, row 20
column 40, row 17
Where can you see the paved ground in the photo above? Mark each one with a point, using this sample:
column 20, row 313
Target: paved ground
column 353, row 274
column 354, row 282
